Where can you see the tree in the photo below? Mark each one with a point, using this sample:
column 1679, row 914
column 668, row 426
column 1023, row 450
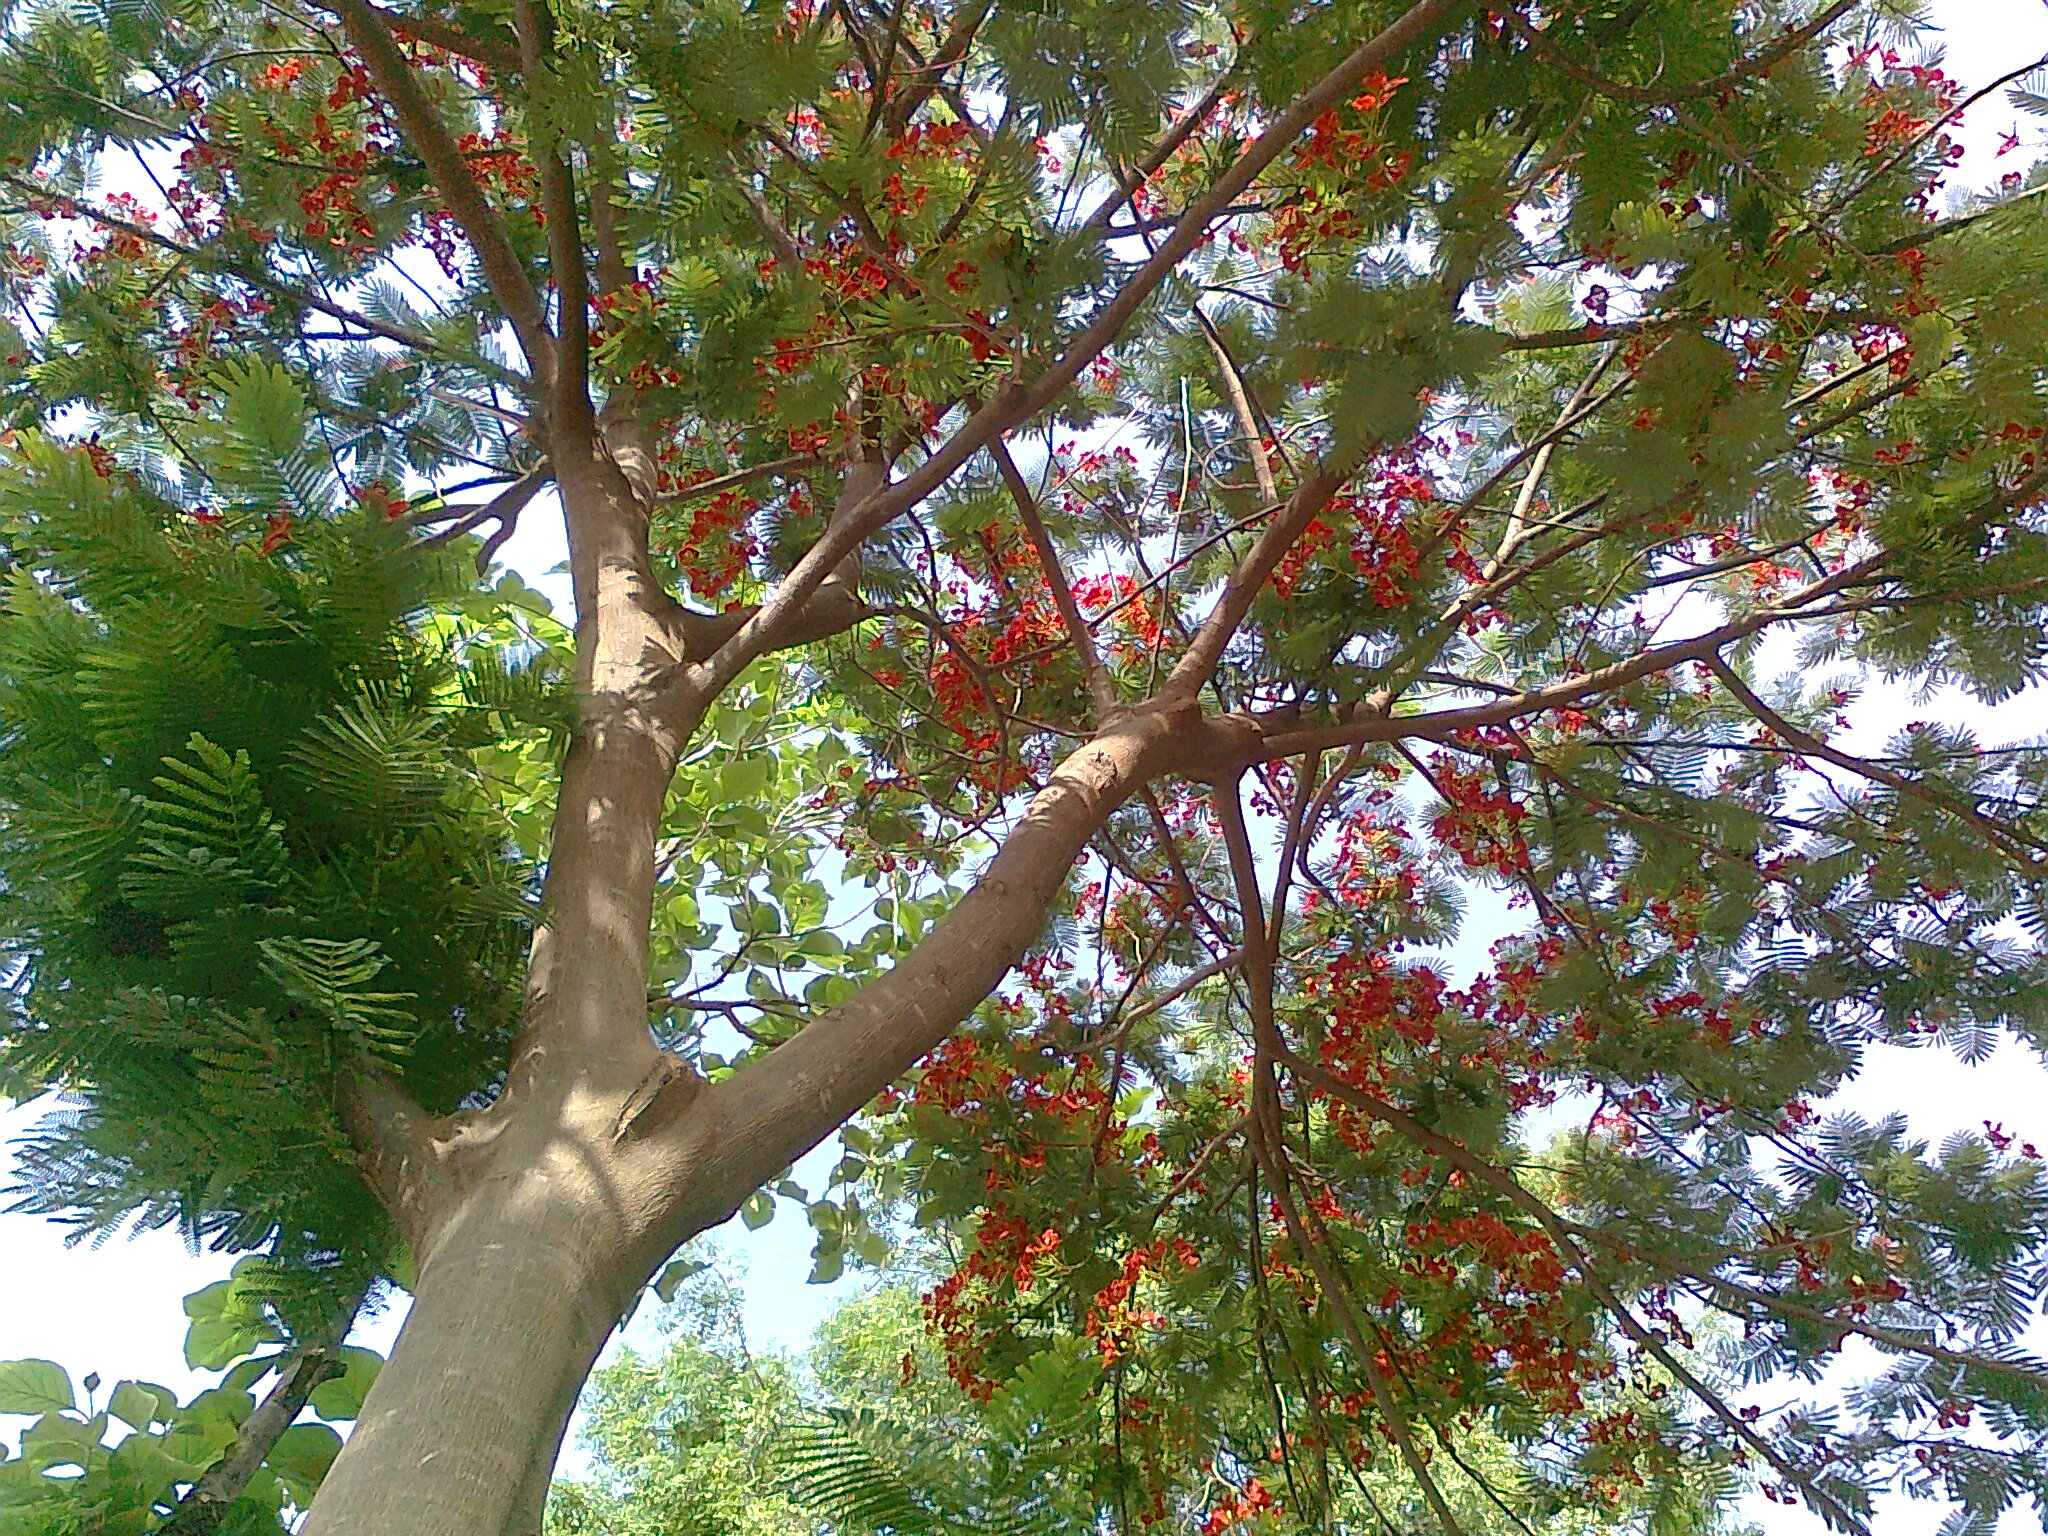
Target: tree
column 1221, row 477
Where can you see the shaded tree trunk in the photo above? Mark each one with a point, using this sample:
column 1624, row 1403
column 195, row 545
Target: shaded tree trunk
column 511, row 1310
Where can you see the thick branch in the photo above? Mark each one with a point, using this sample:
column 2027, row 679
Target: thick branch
column 830, row 612
column 903, row 105
column 500, row 52
column 395, row 1148
column 392, row 74
column 1249, row 577
column 765, row 1117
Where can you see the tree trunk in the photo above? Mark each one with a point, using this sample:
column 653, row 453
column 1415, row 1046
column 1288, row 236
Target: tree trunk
column 535, row 1222
column 523, row 1286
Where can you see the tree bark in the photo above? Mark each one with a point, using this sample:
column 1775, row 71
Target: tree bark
column 521, row 1288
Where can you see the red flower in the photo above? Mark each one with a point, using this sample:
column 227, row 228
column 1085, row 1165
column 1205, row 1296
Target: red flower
column 277, row 532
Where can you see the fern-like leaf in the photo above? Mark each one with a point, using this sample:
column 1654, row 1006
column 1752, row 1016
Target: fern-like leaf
column 832, row 1470
column 264, row 419
column 61, row 837
column 373, row 762
column 208, row 842
column 333, row 975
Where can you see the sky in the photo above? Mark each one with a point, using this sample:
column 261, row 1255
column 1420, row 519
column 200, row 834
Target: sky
column 114, row 1308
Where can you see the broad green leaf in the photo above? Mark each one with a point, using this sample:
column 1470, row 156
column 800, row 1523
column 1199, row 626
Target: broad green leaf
column 674, row 1274
column 341, row 1397
column 301, row 1457
column 34, row 1386
column 141, row 1404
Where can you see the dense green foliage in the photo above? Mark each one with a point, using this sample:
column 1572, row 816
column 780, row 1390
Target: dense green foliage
column 246, row 854
column 1444, row 458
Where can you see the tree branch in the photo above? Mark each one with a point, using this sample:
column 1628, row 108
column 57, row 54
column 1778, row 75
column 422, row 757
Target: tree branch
column 1247, row 579
column 1760, row 62
column 572, row 426
column 391, row 72
column 501, row 52
column 2011, row 839
column 205, row 1504
column 1128, row 182
column 72, row 208
column 795, row 463
column 503, row 509
column 1368, row 1365
column 763, row 1118
column 1248, row 421
column 1099, row 685
column 1013, row 404
column 959, row 38
column 1890, row 1338
column 1444, row 724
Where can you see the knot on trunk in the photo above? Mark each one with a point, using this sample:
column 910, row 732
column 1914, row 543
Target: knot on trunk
column 670, row 1084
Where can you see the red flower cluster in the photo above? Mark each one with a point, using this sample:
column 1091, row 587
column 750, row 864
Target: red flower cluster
column 1480, row 824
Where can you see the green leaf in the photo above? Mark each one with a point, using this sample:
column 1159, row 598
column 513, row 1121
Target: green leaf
column 57, row 1440
column 301, row 1457
column 341, row 1397
column 746, row 778
column 757, row 1210
column 670, row 1280
column 209, row 843
column 140, row 1404
column 833, row 1467
column 228, row 1322
column 331, row 974
column 213, row 1343
column 34, row 1386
